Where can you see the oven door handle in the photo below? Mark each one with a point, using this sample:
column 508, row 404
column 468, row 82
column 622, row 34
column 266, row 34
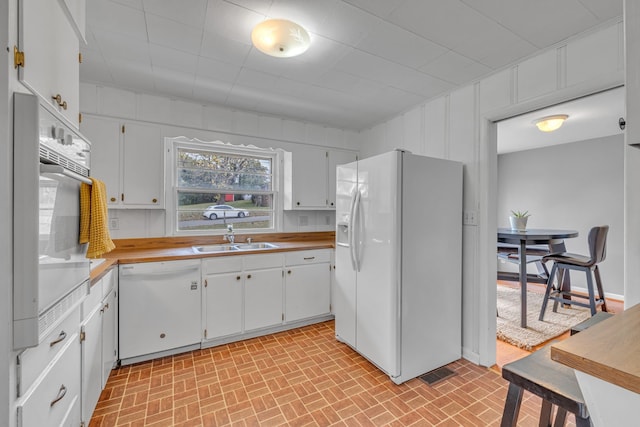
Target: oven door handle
column 55, row 169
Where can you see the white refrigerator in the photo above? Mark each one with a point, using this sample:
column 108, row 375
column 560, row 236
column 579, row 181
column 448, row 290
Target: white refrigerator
column 398, row 261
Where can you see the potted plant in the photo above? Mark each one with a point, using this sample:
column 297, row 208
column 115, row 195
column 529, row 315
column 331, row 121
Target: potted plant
column 518, row 220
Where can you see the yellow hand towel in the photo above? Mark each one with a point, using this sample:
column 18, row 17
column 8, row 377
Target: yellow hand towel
column 94, row 219
column 85, row 212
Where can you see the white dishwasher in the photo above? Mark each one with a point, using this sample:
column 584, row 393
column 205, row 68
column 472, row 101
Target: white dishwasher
column 160, row 306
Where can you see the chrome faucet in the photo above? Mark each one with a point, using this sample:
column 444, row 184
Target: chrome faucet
column 230, row 236
column 249, row 240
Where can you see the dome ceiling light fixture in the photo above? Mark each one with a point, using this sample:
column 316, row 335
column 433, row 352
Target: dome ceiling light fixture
column 550, row 123
column 280, row 38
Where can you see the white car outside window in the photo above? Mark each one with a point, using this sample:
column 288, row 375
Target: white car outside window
column 224, row 211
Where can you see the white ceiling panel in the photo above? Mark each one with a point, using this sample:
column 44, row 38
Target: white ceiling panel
column 111, row 46
column 252, row 79
column 172, row 83
column 308, row 13
column 523, row 18
column 136, row 4
column 169, row 33
column 215, row 46
column 231, row 21
column 455, row 68
column 467, row 32
column 212, row 89
column 369, row 59
column 188, row 12
column 260, row 6
column 603, row 10
column 381, row 8
column 117, row 19
column 399, row 45
column 217, row 70
column 337, row 80
column 347, row 24
column 173, row 59
column 132, row 75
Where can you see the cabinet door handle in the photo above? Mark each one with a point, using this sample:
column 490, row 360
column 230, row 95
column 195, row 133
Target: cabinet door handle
column 309, row 258
column 238, row 277
column 61, row 393
column 60, row 338
column 154, row 200
column 248, row 276
column 113, row 199
column 288, row 271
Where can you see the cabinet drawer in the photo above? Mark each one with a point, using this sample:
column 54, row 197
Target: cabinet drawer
column 255, row 262
column 108, row 282
column 308, row 257
column 93, row 299
column 33, row 361
column 224, row 264
column 48, row 403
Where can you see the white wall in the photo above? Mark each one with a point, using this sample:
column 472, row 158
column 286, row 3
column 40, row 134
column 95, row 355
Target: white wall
column 6, row 215
column 570, row 186
column 210, row 123
column 459, row 126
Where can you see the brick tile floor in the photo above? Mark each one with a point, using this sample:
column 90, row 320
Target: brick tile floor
column 302, row 377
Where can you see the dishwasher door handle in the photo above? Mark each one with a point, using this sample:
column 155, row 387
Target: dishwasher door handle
column 131, row 271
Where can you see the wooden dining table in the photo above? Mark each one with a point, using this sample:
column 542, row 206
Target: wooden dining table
column 534, row 236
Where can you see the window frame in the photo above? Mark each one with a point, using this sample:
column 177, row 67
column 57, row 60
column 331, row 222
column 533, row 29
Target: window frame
column 173, row 144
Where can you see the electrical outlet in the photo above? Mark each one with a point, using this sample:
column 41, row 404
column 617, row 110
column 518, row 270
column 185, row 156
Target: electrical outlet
column 114, row 224
column 470, row 218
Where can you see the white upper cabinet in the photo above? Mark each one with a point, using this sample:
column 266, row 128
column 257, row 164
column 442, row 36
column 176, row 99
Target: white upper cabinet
column 309, row 177
column 129, row 158
column 337, row 158
column 48, row 38
column 142, row 166
column 104, row 135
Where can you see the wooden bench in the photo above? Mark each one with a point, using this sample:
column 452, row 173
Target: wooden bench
column 554, row 382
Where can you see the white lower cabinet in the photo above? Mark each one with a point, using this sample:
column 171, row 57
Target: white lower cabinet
column 263, row 298
column 307, row 284
column 241, row 293
column 54, row 397
column 98, row 341
column 91, row 363
column 222, row 303
column 109, row 333
column 159, row 308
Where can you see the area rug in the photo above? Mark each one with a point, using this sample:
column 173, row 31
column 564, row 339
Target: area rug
column 554, row 324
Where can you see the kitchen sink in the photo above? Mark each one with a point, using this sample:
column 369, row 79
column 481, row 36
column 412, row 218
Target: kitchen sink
column 214, row 248
column 257, row 245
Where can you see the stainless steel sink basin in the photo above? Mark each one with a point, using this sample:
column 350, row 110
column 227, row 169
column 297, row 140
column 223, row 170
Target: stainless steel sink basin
column 256, row 245
column 214, row 248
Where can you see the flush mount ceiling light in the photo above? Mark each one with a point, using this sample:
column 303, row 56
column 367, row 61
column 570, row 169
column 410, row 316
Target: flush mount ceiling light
column 280, row 38
column 550, row 123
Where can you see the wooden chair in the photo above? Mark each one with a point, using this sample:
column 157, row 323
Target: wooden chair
column 568, row 261
column 554, row 382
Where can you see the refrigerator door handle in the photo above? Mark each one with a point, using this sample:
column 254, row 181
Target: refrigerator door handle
column 351, row 234
column 356, row 231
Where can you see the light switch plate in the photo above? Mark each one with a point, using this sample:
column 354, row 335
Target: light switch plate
column 470, row 218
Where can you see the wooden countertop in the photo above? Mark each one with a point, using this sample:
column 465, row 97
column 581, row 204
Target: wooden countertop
column 609, row 350
column 130, row 251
